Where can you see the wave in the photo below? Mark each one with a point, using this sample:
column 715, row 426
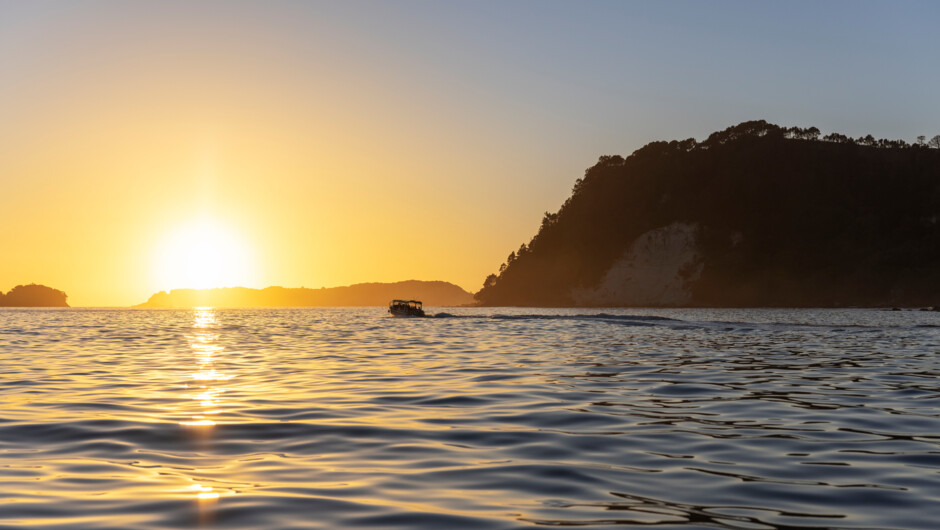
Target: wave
column 483, row 418
column 537, row 316
column 743, row 326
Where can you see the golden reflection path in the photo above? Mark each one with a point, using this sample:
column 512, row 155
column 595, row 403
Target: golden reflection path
column 205, row 397
column 204, row 385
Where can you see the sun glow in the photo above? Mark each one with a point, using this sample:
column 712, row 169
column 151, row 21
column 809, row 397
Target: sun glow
column 202, row 255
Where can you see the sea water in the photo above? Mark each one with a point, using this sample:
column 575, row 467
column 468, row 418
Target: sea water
column 479, row 418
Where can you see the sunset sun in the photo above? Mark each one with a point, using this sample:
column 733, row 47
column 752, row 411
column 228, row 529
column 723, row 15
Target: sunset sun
column 203, row 254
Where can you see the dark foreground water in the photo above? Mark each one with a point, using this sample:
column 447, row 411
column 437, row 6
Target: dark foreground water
column 502, row 418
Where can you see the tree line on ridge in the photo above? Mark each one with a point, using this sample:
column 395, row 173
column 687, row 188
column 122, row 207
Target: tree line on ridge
column 784, row 216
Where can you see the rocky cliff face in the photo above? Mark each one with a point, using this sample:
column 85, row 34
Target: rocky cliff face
column 658, row 268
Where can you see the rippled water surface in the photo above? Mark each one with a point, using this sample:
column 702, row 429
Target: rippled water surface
column 481, row 418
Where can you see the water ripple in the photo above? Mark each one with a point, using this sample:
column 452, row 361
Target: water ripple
column 326, row 418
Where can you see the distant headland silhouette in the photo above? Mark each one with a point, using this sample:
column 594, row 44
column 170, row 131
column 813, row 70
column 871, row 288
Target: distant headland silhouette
column 432, row 293
column 33, row 295
column 755, row 215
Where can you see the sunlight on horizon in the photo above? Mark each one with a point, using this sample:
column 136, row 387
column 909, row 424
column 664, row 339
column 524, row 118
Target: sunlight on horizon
column 203, row 254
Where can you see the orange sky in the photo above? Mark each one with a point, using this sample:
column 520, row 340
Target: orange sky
column 328, row 169
column 331, row 143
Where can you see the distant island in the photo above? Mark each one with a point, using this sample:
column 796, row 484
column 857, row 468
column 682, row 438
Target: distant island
column 433, row 293
column 755, row 215
column 33, row 295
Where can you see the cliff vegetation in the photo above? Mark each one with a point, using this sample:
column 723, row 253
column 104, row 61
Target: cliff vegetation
column 755, row 215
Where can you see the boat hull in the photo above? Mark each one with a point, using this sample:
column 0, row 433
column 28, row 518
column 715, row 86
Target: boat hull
column 406, row 314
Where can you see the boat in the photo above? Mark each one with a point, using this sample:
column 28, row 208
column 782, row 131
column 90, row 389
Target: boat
column 405, row 308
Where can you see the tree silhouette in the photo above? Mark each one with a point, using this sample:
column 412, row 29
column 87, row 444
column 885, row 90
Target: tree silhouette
column 34, row 295
column 782, row 217
column 837, row 138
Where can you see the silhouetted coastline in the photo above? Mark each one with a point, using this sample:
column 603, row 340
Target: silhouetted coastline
column 433, row 293
column 33, row 295
column 756, row 215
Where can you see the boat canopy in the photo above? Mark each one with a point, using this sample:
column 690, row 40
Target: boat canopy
column 409, row 303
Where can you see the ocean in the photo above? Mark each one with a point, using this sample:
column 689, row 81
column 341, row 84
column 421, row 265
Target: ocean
column 477, row 418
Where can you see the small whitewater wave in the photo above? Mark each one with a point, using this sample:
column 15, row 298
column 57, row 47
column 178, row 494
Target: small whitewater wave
column 860, row 322
column 590, row 316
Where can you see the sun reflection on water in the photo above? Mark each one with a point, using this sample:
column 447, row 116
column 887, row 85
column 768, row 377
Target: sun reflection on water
column 204, row 492
column 205, row 396
column 206, row 348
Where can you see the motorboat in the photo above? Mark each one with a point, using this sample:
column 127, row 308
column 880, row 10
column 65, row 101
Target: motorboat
column 405, row 308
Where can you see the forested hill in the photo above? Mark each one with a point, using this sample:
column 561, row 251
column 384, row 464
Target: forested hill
column 756, row 215
column 434, row 293
column 33, row 295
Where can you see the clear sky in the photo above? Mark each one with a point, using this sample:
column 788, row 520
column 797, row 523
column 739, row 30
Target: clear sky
column 153, row 145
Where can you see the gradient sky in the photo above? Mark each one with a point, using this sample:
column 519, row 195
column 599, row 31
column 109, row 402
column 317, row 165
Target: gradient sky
column 344, row 142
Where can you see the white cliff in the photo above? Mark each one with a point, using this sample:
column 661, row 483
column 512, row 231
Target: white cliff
column 657, row 269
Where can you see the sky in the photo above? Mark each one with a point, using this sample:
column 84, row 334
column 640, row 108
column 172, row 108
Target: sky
column 146, row 146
